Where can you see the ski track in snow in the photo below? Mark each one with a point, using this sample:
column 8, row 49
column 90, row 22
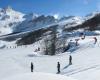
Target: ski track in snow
column 79, row 70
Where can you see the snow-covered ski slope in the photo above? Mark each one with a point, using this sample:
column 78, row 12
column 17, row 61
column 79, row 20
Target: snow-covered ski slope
column 38, row 76
column 15, row 62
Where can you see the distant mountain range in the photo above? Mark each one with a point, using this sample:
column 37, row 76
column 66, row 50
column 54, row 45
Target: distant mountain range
column 14, row 21
column 14, row 24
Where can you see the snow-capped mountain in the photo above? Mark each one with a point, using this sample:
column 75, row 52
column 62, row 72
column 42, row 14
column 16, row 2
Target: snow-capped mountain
column 91, row 15
column 71, row 21
column 13, row 21
column 9, row 19
column 30, row 16
column 35, row 22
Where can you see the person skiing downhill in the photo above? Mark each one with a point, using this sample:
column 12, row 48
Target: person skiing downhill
column 58, row 67
column 32, row 67
column 70, row 60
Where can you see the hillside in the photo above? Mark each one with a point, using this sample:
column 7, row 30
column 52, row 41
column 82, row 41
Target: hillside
column 85, row 63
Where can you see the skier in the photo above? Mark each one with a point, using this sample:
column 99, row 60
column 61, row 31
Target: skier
column 70, row 60
column 58, row 67
column 95, row 40
column 32, row 67
column 38, row 49
column 83, row 37
column 77, row 42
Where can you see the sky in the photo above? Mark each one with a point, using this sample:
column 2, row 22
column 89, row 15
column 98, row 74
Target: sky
column 55, row 7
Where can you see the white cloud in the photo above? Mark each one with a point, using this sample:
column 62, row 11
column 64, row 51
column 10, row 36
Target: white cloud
column 56, row 16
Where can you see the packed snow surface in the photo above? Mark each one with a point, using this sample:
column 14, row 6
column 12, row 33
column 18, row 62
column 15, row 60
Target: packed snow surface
column 38, row 76
column 15, row 62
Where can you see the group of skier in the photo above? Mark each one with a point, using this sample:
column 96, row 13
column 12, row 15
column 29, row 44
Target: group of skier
column 58, row 65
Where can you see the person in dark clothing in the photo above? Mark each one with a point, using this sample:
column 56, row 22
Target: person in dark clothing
column 58, row 67
column 70, row 60
column 32, row 66
column 95, row 40
column 77, row 42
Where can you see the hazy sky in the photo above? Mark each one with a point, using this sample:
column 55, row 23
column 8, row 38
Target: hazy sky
column 58, row 7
